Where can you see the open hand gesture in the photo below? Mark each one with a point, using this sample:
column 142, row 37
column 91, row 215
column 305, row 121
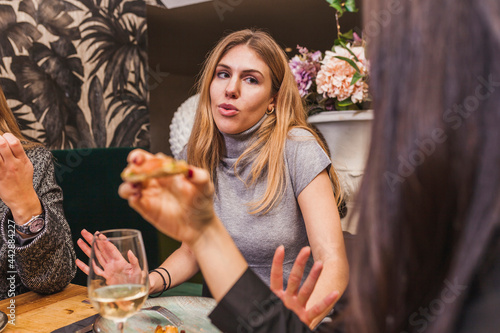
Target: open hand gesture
column 113, row 267
column 295, row 297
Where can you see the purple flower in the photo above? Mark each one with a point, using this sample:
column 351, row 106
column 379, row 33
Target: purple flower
column 304, row 69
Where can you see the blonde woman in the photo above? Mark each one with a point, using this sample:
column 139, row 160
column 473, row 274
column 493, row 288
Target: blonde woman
column 428, row 259
column 274, row 183
column 36, row 251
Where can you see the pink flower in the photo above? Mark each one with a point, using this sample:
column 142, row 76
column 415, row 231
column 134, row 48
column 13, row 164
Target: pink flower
column 335, row 76
column 304, row 68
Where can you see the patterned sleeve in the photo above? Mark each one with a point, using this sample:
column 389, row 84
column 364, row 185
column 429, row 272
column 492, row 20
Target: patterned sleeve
column 305, row 158
column 47, row 263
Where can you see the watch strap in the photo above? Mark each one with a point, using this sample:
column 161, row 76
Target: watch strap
column 25, row 228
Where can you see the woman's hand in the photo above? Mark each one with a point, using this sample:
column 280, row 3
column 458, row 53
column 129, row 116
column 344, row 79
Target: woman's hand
column 180, row 206
column 113, row 264
column 295, row 297
column 16, row 180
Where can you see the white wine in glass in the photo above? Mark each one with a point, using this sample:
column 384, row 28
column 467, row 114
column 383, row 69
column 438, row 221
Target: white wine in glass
column 118, row 282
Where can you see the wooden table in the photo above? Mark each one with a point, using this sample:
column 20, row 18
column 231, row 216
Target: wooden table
column 45, row 313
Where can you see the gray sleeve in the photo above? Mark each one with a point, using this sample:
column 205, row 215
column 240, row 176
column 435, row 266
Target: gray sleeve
column 305, row 159
column 47, row 264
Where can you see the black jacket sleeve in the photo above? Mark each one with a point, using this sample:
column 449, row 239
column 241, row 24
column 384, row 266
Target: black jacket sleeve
column 250, row 306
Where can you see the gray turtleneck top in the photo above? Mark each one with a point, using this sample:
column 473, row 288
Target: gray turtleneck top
column 257, row 236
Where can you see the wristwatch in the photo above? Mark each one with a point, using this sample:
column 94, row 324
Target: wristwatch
column 33, row 226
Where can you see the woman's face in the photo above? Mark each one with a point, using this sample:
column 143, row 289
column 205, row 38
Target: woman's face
column 240, row 91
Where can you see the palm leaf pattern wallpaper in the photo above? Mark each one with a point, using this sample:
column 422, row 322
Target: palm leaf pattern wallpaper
column 75, row 71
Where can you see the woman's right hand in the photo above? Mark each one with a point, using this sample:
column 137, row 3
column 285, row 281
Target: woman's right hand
column 84, row 245
column 112, row 265
column 16, row 180
column 180, row 206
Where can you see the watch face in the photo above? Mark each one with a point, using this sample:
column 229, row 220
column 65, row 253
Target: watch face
column 37, row 225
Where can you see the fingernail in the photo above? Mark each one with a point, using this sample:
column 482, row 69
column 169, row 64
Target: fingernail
column 190, row 173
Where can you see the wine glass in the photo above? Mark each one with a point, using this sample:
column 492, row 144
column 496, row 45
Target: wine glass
column 118, row 283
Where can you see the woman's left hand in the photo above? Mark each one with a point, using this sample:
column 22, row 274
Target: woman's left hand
column 295, row 297
column 16, row 180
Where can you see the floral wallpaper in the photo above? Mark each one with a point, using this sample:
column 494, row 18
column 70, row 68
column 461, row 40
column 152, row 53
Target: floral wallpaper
column 74, row 71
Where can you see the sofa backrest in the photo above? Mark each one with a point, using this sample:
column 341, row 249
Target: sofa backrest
column 89, row 179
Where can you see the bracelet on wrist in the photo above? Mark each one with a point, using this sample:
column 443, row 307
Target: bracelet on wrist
column 165, row 287
column 169, row 277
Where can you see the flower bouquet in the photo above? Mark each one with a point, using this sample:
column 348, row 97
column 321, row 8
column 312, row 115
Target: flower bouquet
column 337, row 79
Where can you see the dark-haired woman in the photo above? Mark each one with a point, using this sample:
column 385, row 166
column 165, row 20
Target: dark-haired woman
column 36, row 250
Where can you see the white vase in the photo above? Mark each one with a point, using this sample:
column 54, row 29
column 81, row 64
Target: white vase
column 348, row 135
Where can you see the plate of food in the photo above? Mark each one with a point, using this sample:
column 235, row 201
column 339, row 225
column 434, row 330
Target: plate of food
column 191, row 311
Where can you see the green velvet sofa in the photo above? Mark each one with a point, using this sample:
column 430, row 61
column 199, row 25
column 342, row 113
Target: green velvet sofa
column 89, row 179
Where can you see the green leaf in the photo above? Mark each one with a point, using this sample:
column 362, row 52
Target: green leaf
column 339, row 8
column 350, row 6
column 345, row 102
column 343, row 44
column 347, row 35
column 336, row 43
column 337, row 4
column 356, row 77
column 350, row 62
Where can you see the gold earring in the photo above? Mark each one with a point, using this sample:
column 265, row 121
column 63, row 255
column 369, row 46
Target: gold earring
column 270, row 111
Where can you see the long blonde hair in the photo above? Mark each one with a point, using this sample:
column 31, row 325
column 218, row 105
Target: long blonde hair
column 206, row 144
column 8, row 123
